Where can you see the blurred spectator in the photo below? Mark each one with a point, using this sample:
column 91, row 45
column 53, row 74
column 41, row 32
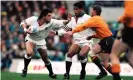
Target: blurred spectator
column 58, row 56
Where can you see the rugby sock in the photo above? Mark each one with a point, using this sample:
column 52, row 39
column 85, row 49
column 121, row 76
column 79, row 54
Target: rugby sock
column 68, row 64
column 49, row 67
column 26, row 61
column 83, row 64
column 115, row 68
column 115, row 71
column 96, row 60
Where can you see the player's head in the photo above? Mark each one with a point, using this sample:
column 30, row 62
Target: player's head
column 96, row 10
column 78, row 9
column 46, row 15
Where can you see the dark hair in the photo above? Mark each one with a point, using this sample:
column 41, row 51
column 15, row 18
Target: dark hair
column 79, row 5
column 44, row 12
column 98, row 9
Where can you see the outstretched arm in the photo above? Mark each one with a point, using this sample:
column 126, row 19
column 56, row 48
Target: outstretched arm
column 92, row 22
column 93, row 36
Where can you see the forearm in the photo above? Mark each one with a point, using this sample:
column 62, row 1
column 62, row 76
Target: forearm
column 79, row 28
column 88, row 24
column 66, row 22
column 95, row 36
column 23, row 24
column 60, row 32
column 122, row 19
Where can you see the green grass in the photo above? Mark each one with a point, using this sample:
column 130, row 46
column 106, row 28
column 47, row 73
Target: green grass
column 16, row 76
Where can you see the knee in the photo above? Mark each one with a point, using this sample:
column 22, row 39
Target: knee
column 83, row 59
column 70, row 55
column 29, row 53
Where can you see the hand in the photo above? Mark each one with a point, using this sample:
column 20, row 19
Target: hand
column 27, row 30
column 69, row 16
column 52, row 33
column 89, row 37
column 68, row 34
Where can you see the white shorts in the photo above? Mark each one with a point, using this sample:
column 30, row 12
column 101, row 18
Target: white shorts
column 39, row 44
column 82, row 43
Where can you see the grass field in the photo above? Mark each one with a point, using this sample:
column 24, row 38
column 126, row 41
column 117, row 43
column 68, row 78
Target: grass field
column 16, row 76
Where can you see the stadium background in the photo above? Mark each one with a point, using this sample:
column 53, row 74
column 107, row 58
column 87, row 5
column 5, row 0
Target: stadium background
column 12, row 36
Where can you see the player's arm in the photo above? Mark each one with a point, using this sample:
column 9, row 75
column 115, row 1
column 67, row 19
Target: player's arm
column 122, row 19
column 57, row 24
column 93, row 36
column 62, row 23
column 91, row 23
column 25, row 24
column 64, row 29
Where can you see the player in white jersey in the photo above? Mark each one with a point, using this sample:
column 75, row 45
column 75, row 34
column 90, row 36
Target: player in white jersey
column 38, row 29
column 80, row 44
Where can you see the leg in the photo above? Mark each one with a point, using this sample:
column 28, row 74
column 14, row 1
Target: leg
column 130, row 56
column 27, row 57
column 95, row 50
column 72, row 51
column 117, row 49
column 83, row 58
column 44, row 57
column 105, row 61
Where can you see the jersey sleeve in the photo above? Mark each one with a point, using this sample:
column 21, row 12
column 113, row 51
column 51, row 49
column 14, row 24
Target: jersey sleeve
column 29, row 21
column 57, row 24
column 92, row 22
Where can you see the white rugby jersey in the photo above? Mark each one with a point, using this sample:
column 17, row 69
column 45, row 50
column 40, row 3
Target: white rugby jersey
column 80, row 35
column 44, row 30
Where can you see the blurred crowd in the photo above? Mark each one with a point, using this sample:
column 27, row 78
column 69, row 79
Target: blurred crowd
column 12, row 36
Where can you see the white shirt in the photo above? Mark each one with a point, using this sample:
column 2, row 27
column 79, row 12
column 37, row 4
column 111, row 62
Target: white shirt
column 44, row 30
column 80, row 35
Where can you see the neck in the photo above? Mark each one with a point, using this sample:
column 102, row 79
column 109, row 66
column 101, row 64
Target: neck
column 81, row 14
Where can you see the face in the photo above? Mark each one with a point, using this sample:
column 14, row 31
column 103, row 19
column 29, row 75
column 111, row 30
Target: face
column 93, row 12
column 48, row 17
column 77, row 11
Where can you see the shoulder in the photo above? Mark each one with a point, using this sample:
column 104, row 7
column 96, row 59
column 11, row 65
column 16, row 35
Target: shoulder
column 85, row 16
column 33, row 18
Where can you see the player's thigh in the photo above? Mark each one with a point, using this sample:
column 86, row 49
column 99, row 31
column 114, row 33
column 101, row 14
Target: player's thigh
column 84, row 50
column 96, row 49
column 74, row 49
column 130, row 56
column 43, row 53
column 29, row 47
column 118, row 47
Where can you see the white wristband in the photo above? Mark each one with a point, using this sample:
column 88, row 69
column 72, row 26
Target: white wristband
column 25, row 29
